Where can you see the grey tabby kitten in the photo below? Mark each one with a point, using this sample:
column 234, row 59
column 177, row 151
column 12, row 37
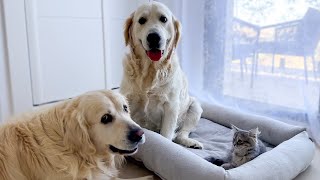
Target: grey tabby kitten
column 246, row 146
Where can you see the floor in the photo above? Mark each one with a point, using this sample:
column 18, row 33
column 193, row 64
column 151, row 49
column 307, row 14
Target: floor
column 132, row 170
column 313, row 171
column 289, row 80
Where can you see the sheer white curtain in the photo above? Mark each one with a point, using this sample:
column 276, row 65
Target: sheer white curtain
column 259, row 56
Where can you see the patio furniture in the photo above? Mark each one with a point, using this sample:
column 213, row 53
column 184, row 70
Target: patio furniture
column 244, row 41
column 295, row 38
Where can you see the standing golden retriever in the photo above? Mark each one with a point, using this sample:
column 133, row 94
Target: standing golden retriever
column 153, row 82
column 81, row 138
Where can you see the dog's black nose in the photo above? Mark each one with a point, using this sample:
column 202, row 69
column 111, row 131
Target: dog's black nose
column 135, row 135
column 154, row 40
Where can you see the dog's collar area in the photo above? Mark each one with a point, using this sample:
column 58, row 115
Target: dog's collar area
column 120, row 151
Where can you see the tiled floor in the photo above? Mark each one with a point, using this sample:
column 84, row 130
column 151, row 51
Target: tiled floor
column 131, row 170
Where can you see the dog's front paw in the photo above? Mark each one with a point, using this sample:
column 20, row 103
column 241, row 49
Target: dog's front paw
column 197, row 145
column 188, row 142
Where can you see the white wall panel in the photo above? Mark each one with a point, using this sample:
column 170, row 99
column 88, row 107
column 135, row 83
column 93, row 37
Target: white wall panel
column 66, row 48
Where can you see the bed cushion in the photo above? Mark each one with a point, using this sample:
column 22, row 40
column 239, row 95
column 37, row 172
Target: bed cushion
column 217, row 139
column 272, row 131
column 290, row 150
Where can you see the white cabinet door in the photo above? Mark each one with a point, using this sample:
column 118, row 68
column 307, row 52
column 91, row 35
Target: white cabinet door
column 66, row 48
column 60, row 48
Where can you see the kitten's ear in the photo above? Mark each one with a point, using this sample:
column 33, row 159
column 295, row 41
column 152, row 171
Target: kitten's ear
column 235, row 128
column 254, row 132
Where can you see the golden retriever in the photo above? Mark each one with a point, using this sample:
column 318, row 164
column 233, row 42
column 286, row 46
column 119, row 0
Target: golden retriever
column 153, row 82
column 81, row 138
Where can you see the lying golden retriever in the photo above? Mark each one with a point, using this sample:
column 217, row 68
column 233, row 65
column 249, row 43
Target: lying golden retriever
column 81, row 138
column 153, row 81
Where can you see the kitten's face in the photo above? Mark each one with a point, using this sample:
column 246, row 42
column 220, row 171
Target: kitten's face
column 244, row 140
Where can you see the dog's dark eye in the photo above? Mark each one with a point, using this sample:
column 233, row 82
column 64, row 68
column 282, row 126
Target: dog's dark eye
column 107, row 118
column 142, row 20
column 163, row 19
column 125, row 108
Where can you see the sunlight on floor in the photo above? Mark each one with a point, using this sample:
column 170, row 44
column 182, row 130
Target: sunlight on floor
column 286, row 86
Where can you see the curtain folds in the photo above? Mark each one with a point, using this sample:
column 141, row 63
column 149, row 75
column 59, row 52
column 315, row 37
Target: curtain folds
column 259, row 56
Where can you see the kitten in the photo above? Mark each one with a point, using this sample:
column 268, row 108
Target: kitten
column 246, row 146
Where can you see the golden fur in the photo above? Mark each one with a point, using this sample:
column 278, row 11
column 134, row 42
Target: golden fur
column 65, row 141
column 157, row 91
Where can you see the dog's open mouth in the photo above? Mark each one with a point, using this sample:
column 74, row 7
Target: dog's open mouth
column 155, row 54
column 120, row 151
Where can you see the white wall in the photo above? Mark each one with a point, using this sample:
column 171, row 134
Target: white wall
column 5, row 98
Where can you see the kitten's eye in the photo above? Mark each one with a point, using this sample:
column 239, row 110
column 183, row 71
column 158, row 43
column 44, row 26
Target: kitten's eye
column 107, row 118
column 125, row 108
column 142, row 20
column 163, row 19
column 239, row 143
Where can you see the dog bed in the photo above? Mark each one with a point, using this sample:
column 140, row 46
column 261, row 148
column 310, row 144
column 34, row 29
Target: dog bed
column 290, row 151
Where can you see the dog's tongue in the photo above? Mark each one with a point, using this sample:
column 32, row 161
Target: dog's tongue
column 154, row 55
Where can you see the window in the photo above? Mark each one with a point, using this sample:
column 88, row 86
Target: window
column 260, row 56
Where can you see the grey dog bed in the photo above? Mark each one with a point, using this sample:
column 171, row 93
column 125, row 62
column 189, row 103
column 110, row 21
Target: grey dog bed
column 290, row 151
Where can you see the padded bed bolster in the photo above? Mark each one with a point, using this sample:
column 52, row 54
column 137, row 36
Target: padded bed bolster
column 272, row 131
column 293, row 153
column 283, row 162
column 171, row 161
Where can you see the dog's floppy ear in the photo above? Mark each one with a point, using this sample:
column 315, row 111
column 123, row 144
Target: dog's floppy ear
column 76, row 133
column 127, row 30
column 176, row 38
column 177, row 28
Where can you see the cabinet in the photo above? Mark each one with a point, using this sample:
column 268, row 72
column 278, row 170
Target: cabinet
column 62, row 48
column 66, row 48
